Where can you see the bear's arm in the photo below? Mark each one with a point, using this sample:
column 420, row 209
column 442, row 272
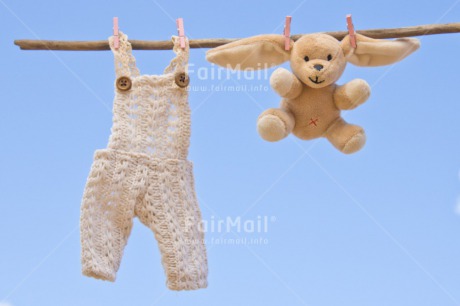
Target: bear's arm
column 351, row 94
column 286, row 84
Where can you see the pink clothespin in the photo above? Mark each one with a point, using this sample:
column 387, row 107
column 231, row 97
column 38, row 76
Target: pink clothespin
column 180, row 31
column 116, row 41
column 351, row 31
column 287, row 33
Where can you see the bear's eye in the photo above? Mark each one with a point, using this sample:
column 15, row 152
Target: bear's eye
column 306, row 58
column 329, row 57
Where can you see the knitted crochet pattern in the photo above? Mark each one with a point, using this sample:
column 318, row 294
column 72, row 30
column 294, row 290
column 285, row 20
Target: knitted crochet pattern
column 144, row 172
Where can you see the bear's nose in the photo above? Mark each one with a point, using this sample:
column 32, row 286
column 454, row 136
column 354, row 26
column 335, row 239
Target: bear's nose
column 318, row 67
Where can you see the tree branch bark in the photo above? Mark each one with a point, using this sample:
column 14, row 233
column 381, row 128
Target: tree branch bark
column 102, row 45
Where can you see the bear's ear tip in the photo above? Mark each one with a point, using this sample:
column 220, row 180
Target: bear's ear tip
column 209, row 56
column 412, row 40
column 413, row 44
column 417, row 43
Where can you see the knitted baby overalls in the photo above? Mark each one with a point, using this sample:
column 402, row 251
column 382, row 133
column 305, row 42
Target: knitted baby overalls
column 144, row 172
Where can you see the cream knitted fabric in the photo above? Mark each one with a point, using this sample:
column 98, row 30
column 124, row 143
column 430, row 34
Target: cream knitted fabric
column 144, row 173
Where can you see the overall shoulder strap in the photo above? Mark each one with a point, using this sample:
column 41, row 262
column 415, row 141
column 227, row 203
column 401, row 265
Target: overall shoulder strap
column 125, row 63
column 180, row 62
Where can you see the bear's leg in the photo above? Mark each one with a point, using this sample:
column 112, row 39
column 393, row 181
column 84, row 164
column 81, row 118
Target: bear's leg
column 347, row 138
column 275, row 124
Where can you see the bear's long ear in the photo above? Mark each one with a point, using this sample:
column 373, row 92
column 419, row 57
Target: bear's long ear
column 257, row 52
column 378, row 52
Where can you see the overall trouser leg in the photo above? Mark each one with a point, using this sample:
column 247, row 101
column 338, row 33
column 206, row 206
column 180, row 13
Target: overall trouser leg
column 107, row 212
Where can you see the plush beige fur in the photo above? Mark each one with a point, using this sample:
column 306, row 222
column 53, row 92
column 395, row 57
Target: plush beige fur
column 312, row 102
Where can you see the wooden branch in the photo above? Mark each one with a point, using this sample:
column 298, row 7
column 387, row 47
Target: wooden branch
column 101, row 45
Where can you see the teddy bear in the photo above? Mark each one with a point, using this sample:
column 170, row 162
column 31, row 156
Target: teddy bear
column 312, row 102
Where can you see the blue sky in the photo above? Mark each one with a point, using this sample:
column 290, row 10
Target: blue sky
column 379, row 227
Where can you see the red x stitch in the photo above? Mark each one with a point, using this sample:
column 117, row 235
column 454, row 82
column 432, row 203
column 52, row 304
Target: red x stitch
column 313, row 121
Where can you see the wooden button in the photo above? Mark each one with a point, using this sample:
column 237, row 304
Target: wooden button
column 182, row 79
column 123, row 83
